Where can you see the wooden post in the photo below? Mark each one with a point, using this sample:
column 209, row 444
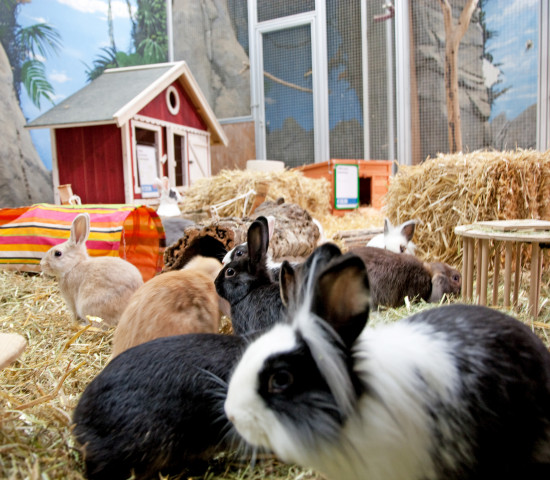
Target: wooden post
column 507, row 273
column 453, row 36
column 496, row 271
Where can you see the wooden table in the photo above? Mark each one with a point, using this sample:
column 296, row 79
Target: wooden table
column 513, row 233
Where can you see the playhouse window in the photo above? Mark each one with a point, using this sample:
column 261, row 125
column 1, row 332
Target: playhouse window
column 172, row 100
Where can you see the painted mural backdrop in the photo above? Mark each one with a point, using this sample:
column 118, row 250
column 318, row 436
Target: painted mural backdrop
column 56, row 46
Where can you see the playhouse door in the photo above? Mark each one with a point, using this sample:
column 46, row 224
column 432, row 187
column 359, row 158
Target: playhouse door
column 177, row 157
column 199, row 156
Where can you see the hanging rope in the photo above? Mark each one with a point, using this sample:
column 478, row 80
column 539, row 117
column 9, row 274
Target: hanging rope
column 215, row 208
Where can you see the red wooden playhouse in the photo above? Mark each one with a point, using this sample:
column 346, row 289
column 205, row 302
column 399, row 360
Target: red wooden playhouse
column 112, row 138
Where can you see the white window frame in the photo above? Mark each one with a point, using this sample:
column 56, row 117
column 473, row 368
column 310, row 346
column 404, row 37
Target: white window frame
column 158, row 142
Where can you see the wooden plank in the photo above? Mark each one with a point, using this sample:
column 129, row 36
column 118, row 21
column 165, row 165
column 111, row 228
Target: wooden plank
column 513, row 225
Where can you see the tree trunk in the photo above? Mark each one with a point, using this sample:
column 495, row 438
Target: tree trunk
column 453, row 36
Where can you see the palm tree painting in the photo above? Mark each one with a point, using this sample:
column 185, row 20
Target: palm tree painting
column 27, row 49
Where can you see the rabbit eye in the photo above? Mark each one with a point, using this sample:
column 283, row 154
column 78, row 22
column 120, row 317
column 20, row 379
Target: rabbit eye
column 456, row 278
column 402, row 248
column 58, row 253
column 230, row 272
column 280, row 381
column 239, row 253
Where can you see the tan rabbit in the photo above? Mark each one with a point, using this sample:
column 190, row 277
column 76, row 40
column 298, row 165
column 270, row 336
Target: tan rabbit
column 172, row 303
column 96, row 286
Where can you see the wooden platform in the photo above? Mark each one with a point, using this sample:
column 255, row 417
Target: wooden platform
column 513, row 234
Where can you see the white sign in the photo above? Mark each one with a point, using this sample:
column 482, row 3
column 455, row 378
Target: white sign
column 147, row 168
column 346, row 186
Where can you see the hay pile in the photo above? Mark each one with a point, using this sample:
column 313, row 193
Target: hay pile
column 310, row 194
column 458, row 189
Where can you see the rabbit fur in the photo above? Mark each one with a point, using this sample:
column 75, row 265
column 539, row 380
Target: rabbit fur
column 96, row 286
column 394, row 276
column 172, row 303
column 454, row 392
column 158, row 407
column 248, row 284
column 395, row 239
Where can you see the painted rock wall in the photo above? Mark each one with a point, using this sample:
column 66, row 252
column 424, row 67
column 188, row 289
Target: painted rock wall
column 23, row 178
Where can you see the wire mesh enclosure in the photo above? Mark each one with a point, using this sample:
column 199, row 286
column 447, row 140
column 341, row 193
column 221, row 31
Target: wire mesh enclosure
column 340, row 59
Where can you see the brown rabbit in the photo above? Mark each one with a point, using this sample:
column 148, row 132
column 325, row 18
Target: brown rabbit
column 172, row 303
column 96, row 286
column 393, row 276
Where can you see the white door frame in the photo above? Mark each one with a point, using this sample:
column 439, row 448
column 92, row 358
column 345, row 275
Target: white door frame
column 317, row 21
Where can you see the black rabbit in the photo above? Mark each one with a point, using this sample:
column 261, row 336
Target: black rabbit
column 249, row 285
column 158, row 407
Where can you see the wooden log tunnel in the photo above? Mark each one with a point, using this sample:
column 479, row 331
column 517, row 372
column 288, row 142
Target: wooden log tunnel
column 295, row 235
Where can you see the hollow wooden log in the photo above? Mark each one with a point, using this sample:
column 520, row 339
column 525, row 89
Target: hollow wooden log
column 295, row 235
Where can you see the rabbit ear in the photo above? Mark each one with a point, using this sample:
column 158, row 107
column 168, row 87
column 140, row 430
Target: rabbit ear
column 342, row 297
column 291, row 280
column 80, row 229
column 407, row 229
column 258, row 241
column 387, row 226
column 287, row 282
column 269, row 223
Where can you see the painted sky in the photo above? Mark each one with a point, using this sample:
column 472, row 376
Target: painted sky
column 515, row 48
column 83, row 27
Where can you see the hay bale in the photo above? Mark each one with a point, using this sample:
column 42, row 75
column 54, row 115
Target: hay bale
column 293, row 186
column 458, row 189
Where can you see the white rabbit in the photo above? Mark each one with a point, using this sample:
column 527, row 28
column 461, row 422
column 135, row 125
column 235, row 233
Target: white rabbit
column 396, row 239
column 170, row 213
column 96, row 286
column 455, row 392
column 169, row 198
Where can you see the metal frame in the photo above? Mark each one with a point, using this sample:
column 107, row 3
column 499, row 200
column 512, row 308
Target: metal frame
column 365, row 71
column 543, row 91
column 402, row 80
column 317, row 21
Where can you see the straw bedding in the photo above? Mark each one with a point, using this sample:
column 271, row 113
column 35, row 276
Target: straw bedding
column 39, row 391
column 458, row 189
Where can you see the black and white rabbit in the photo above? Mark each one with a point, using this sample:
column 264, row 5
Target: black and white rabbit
column 454, row 392
column 158, row 407
column 249, row 286
column 396, row 239
column 394, row 276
